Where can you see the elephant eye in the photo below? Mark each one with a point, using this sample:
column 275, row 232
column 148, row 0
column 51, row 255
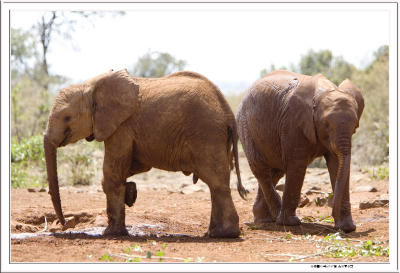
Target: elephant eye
column 67, row 118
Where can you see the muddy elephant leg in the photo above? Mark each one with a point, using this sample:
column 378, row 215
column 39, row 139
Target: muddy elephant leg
column 345, row 221
column 262, row 211
column 224, row 220
column 116, row 169
column 291, row 195
column 115, row 195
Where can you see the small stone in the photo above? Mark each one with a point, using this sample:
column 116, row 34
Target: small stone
column 280, row 187
column 42, row 190
column 303, row 200
column 70, row 222
column 31, row 190
column 365, row 189
column 315, row 188
column 373, row 204
column 320, row 201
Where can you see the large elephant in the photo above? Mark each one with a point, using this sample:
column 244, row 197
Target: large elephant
column 180, row 122
column 285, row 121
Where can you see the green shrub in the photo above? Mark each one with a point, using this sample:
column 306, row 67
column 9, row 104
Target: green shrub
column 29, row 149
column 81, row 169
column 27, row 162
column 379, row 173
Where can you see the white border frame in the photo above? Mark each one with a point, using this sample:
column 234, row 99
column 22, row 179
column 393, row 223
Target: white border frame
column 233, row 267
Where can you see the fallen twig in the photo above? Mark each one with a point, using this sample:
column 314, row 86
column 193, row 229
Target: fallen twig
column 45, row 224
column 126, row 256
column 297, row 257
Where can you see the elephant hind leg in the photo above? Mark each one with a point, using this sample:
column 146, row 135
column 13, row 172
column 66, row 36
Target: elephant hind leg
column 224, row 220
column 268, row 202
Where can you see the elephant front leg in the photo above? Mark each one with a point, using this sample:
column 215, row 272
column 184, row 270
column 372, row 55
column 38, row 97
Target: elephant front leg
column 115, row 195
column 291, row 196
column 116, row 169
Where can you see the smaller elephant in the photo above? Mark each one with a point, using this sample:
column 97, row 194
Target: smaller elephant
column 285, row 121
column 180, row 122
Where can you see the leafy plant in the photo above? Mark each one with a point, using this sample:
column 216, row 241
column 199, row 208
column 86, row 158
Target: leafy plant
column 27, row 162
column 81, row 169
column 380, row 173
column 340, row 247
column 107, row 258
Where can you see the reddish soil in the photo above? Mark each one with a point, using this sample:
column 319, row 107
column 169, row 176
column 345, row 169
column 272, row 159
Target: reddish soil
column 178, row 216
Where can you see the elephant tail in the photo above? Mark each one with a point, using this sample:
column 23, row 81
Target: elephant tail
column 233, row 135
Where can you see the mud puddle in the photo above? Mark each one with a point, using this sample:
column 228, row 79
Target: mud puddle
column 134, row 231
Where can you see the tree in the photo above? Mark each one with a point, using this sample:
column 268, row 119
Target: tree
column 56, row 23
column 157, row 64
column 31, row 76
column 336, row 69
column 22, row 49
column 372, row 138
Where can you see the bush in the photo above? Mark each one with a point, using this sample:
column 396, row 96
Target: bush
column 30, row 149
column 27, row 162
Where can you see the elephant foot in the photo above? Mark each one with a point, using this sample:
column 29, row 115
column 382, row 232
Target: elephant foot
column 115, row 231
column 346, row 224
column 288, row 220
column 130, row 193
column 217, row 232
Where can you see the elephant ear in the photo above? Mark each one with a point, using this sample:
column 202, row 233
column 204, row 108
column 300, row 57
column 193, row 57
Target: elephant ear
column 348, row 87
column 300, row 107
column 115, row 98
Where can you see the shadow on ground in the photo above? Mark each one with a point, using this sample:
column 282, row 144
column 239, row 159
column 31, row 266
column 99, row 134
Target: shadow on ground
column 306, row 228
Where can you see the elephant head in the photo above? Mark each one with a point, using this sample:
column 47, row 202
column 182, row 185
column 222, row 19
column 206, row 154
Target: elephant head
column 336, row 115
column 91, row 110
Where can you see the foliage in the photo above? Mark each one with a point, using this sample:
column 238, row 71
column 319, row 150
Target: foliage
column 79, row 164
column 379, row 172
column 157, row 64
column 371, row 142
column 333, row 67
column 339, row 248
column 22, row 48
column 129, row 257
column 27, row 162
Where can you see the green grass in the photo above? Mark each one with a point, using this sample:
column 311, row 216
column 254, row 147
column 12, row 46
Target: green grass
column 379, row 172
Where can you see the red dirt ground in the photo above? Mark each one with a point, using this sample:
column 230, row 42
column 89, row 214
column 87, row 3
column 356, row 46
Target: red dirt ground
column 171, row 216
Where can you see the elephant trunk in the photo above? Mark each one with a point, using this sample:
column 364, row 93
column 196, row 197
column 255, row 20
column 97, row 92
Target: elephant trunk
column 343, row 152
column 51, row 166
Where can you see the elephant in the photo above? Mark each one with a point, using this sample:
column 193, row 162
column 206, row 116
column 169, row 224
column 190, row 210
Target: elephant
column 285, row 121
column 180, row 122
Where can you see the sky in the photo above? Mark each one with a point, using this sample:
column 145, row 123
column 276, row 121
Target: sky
column 229, row 44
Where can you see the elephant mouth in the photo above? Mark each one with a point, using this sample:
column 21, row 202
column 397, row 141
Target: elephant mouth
column 90, row 138
column 64, row 142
